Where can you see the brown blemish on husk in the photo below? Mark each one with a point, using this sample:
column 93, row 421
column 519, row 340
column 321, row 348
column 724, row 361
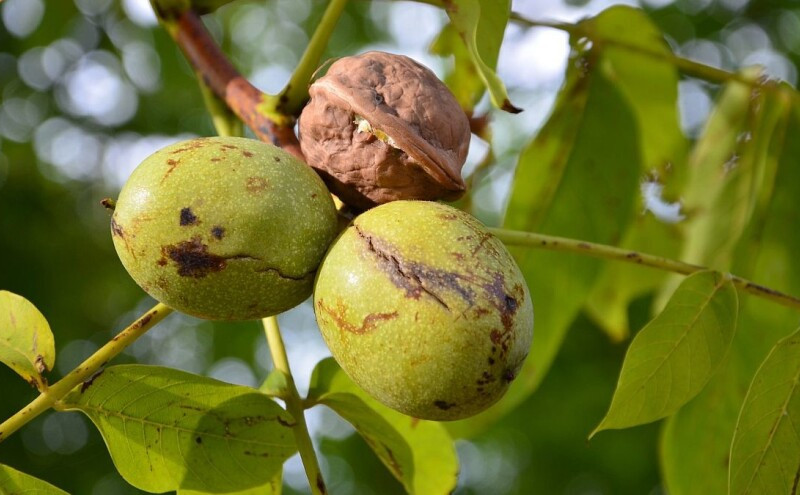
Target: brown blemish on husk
column 368, row 325
column 256, row 185
column 187, row 217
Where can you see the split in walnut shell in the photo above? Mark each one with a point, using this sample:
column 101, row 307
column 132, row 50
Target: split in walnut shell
column 381, row 127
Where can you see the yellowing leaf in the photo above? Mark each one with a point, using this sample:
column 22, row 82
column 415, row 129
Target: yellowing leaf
column 419, row 453
column 168, row 429
column 26, row 342
column 672, row 358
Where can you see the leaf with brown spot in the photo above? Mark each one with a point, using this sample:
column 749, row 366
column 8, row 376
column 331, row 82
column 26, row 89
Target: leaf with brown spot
column 168, row 429
column 26, row 341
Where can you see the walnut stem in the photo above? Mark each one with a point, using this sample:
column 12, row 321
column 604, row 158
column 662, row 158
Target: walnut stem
column 226, row 82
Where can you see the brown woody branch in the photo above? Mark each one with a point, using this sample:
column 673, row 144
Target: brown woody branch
column 226, row 82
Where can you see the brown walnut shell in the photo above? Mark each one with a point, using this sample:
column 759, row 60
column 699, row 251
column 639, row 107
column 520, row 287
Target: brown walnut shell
column 381, row 127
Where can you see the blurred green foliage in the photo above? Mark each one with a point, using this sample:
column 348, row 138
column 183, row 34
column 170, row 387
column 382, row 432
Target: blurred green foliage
column 58, row 159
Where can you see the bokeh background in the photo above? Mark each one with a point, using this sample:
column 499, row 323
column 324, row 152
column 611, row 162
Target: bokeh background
column 88, row 88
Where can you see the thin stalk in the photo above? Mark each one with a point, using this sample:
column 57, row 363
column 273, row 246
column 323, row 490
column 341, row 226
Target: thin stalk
column 225, row 121
column 553, row 243
column 84, row 371
column 294, row 404
column 295, row 94
column 687, row 66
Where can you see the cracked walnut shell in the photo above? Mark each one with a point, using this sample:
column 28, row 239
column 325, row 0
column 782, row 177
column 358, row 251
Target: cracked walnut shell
column 381, row 127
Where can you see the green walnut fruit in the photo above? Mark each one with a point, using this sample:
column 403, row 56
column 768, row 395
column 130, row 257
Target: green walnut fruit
column 224, row 228
column 424, row 309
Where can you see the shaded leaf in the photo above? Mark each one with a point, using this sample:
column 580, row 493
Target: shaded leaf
column 765, row 454
column 481, row 24
column 26, row 342
column 419, row 453
column 673, row 357
column 695, row 450
column 168, row 429
column 577, row 178
column 13, row 482
column 650, row 86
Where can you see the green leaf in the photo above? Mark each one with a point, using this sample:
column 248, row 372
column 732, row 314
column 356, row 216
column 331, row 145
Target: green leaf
column 727, row 167
column 650, row 86
column 419, row 453
column 13, row 482
column 168, row 429
column 695, row 450
column 463, row 80
column 26, row 342
column 273, row 487
column 765, row 452
column 276, row 384
column 481, row 24
column 578, row 178
column 673, row 357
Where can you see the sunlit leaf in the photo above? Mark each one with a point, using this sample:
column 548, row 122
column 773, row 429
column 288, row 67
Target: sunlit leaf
column 13, row 482
column 481, row 24
column 650, row 86
column 419, row 453
column 673, row 357
column 26, row 342
column 168, row 429
column 578, row 178
column 695, row 450
column 765, row 453
column 273, row 487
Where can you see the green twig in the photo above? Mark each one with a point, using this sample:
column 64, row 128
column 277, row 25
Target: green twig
column 226, row 123
column 295, row 94
column 84, row 371
column 688, row 67
column 553, row 243
column 294, row 404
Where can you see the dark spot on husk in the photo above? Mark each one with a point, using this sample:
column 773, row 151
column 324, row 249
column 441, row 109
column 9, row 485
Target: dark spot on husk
column 193, row 258
column 116, row 229
column 256, row 184
column 187, row 217
column 226, row 147
column 216, row 159
column 198, row 440
column 491, row 360
column 443, row 405
column 509, row 375
column 247, row 154
column 276, row 158
column 413, row 277
column 218, row 232
column 369, row 324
